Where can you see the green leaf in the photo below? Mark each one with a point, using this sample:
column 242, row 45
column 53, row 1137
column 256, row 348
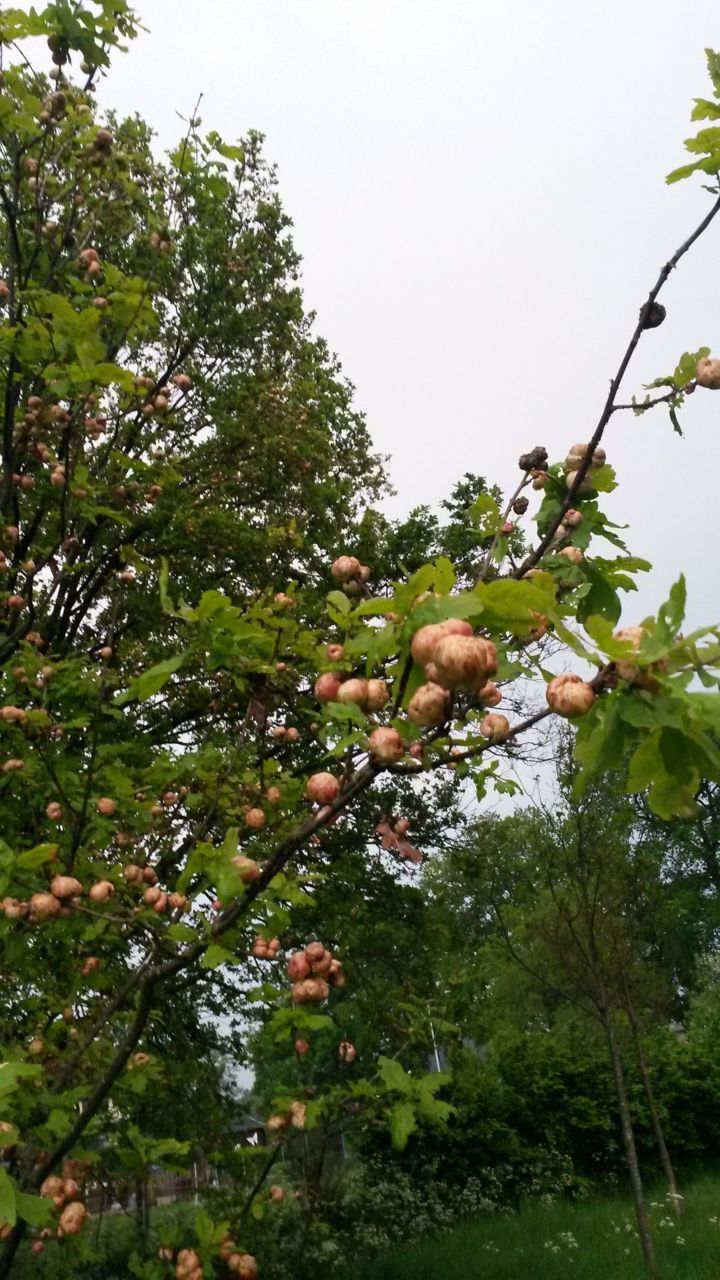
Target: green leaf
column 673, row 611
column 180, row 932
column 215, row 955
column 36, row 1210
column 230, row 153
column 602, row 632
column 708, row 705
column 393, row 1076
column 603, row 480
column 182, row 159
column 713, row 66
column 686, row 365
column 340, row 602
column 663, row 765
column 710, row 164
column 602, row 598
column 569, row 638
column 444, row 575
column 706, row 140
column 640, row 711
column 600, row 741
column 465, row 604
column 509, row 605
column 402, row 1124
column 164, row 580
column 684, row 171
column 32, row 858
column 645, row 764
column 382, row 644
column 211, row 603
column 485, row 514
column 344, row 711
column 210, row 1234
column 371, row 608
column 422, row 580
column 705, row 110
column 8, row 1203
column 152, row 681
column 12, row 1072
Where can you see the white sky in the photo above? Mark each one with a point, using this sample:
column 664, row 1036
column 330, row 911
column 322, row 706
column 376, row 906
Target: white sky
column 478, row 193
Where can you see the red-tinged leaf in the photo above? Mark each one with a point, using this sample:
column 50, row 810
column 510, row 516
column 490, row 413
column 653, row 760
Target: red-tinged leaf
column 406, row 850
column 396, row 844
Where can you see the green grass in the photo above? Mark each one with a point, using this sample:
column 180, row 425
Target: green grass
column 537, row 1243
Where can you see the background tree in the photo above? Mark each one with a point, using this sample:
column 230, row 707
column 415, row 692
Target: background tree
column 576, row 902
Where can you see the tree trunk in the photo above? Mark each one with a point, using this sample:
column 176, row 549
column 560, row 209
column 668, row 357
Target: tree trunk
column 142, row 1208
column 147, row 1207
column 646, row 1242
column 673, row 1195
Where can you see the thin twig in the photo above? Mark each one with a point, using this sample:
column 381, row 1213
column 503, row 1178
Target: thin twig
column 608, row 409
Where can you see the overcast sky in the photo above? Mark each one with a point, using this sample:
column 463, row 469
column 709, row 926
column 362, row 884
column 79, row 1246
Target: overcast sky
column 478, row 193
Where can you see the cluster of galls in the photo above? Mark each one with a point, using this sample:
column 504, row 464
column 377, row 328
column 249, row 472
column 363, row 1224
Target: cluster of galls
column 242, row 1265
column 154, row 897
column 64, row 895
column 295, row 1118
column 334, row 686
column 37, row 417
column 265, row 948
column 570, row 522
column 629, row 670
column 59, row 49
column 17, row 715
column 54, row 108
column 313, row 971
column 187, row 1264
column 285, row 733
column 160, row 901
column 351, row 574
column 65, row 892
column 160, row 240
column 40, row 678
column 88, row 261
column 570, row 695
column 534, row 464
column 64, row 1192
column 535, row 460
column 385, row 745
column 158, row 401
column 94, row 424
column 99, row 150
column 369, row 695
column 255, row 817
column 453, row 658
column 573, row 461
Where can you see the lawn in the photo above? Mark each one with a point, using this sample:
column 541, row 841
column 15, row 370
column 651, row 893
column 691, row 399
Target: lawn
column 589, row 1241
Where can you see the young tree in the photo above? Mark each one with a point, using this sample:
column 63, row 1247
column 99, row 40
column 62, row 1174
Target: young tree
column 173, row 431
column 576, row 902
